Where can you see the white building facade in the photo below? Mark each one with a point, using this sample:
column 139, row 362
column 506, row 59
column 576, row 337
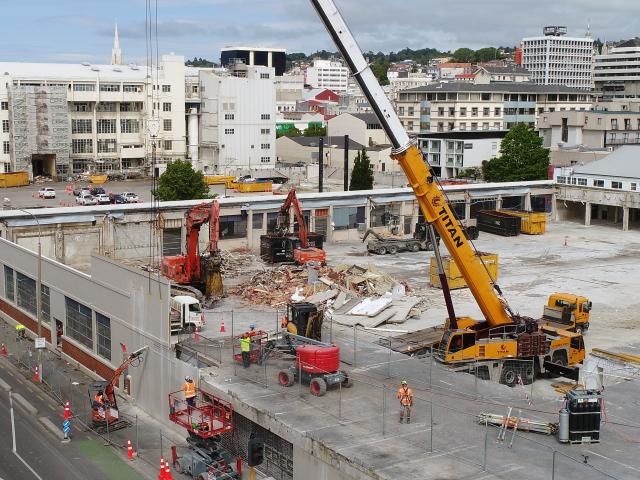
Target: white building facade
column 616, row 72
column 237, row 124
column 555, row 59
column 330, row 74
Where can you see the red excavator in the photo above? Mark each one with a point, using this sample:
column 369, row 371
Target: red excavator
column 200, row 271
column 286, row 246
column 104, row 405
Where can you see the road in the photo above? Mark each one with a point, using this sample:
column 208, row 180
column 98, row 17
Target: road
column 46, row 456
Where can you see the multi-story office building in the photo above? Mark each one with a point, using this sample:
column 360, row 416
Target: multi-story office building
column 461, row 106
column 331, row 74
column 616, row 71
column 255, row 56
column 60, row 119
column 237, row 121
column 555, row 59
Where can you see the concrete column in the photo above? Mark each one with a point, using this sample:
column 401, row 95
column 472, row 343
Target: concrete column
column 250, row 229
column 330, row 225
column 499, row 202
column 615, row 215
column 467, row 208
column 192, row 132
column 625, row 219
column 367, row 216
column 554, row 208
column 587, row 214
column 527, row 202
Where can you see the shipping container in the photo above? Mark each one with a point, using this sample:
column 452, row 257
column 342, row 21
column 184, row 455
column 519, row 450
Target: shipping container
column 219, row 179
column 14, row 179
column 97, row 179
column 532, row 223
column 248, row 187
column 492, row 221
column 453, row 275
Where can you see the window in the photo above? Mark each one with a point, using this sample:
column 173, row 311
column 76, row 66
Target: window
column 265, row 116
column 233, row 226
column 229, row 131
column 463, row 111
column 46, row 302
column 79, row 322
column 258, row 219
column 84, row 87
column 264, row 76
column 132, row 88
column 474, row 112
column 166, row 106
column 265, row 146
column 106, row 126
column 441, row 111
column 9, row 285
column 81, row 126
column 166, row 125
column 561, row 180
column 474, row 126
column 634, row 186
column 109, row 87
column 129, row 126
column 598, row 183
column 401, row 111
column 497, row 111
column 265, row 131
column 103, row 335
column 80, row 107
column 4, row 105
column 6, row 148
column 564, row 132
column 452, row 111
column 107, row 145
column 265, row 159
column 166, row 88
column 83, row 145
column 5, row 126
column 616, row 185
column 614, row 124
column 582, row 182
column 167, row 144
column 229, row 116
column 348, row 217
column 26, row 293
column 486, row 111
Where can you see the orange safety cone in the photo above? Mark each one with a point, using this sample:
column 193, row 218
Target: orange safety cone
column 202, row 319
column 67, row 411
column 196, row 335
column 3, row 350
column 129, row 450
column 167, row 472
column 36, row 377
column 161, row 475
column 222, row 329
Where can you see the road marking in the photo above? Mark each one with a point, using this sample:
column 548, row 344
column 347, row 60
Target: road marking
column 13, row 435
column 10, row 373
column 20, row 381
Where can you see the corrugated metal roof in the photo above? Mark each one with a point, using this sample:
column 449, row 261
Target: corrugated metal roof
column 73, row 71
column 623, row 162
column 52, row 220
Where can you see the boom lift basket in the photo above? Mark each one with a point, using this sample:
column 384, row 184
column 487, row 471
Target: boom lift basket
column 211, row 415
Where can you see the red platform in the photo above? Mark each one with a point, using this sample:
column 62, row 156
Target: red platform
column 211, row 416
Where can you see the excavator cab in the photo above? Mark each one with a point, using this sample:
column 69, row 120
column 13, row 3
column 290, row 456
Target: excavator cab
column 104, row 410
column 305, row 320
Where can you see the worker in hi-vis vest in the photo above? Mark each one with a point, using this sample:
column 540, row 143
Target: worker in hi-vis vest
column 245, row 348
column 189, row 389
column 405, row 395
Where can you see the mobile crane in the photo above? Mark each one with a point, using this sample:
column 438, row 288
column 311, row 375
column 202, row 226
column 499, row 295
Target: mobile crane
column 503, row 334
column 192, row 269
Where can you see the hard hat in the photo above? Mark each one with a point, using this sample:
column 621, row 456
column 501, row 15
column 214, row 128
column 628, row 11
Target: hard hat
column 404, row 382
column 252, row 326
column 187, row 378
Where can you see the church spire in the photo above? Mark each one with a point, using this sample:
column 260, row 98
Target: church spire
column 116, row 52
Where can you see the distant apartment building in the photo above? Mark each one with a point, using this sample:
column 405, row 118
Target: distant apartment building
column 496, row 106
column 497, row 74
column 616, row 71
column 555, row 59
column 411, row 80
column 61, row 119
column 449, row 70
column 256, row 56
column 364, row 128
column 237, row 125
column 330, row 74
column 289, row 91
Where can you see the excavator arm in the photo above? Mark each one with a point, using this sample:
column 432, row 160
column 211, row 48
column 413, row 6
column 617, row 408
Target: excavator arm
column 433, row 203
column 109, row 389
column 292, row 201
column 196, row 217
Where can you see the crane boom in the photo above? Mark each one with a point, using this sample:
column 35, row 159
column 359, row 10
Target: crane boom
column 430, row 196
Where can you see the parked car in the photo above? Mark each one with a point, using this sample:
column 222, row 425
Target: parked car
column 97, row 191
column 47, row 192
column 131, row 197
column 78, row 191
column 86, row 199
column 117, row 198
column 102, row 199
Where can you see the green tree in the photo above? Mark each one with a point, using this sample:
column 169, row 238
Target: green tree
column 181, row 182
column 379, row 69
column 362, row 173
column 315, row 130
column 486, row 54
column 522, row 157
column 463, row 55
column 291, row 132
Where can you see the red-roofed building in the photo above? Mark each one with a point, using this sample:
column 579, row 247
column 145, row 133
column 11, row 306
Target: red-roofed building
column 449, row 70
column 465, row 77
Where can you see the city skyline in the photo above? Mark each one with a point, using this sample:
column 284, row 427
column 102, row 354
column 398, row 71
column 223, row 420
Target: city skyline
column 201, row 27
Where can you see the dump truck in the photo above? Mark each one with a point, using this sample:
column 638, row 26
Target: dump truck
column 568, row 311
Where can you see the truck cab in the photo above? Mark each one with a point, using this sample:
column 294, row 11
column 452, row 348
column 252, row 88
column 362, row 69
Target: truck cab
column 186, row 314
column 568, row 311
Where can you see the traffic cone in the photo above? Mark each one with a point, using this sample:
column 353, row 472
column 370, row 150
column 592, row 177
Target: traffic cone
column 565, row 241
column 167, row 472
column 196, row 335
column 129, row 450
column 202, row 319
column 67, row 411
column 161, row 475
column 3, row 350
column 36, row 377
column 222, row 329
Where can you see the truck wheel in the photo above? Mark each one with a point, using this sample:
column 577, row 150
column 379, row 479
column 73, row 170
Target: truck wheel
column 285, row 379
column 318, row 386
column 393, row 250
column 346, row 383
column 414, row 247
column 528, row 375
column 509, row 375
column 381, row 251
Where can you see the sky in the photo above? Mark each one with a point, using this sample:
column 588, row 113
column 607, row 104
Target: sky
column 82, row 30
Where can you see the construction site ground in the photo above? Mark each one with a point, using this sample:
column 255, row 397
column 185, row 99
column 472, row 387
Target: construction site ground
column 599, row 262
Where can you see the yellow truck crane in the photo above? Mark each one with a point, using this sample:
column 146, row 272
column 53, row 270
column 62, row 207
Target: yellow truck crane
column 503, row 334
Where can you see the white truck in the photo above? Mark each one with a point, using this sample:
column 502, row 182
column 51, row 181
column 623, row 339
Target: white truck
column 185, row 315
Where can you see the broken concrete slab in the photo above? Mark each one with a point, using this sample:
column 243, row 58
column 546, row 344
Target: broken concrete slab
column 371, row 307
column 321, row 297
column 403, row 308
